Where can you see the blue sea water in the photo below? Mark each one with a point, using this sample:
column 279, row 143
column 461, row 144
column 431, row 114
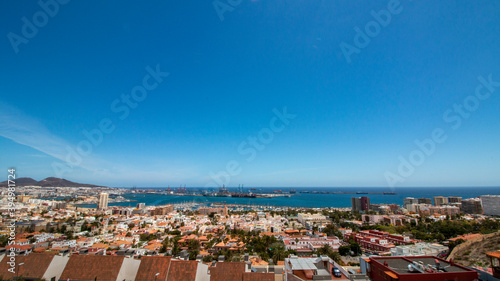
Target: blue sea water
column 313, row 200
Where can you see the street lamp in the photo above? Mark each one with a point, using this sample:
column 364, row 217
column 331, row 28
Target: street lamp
column 156, row 275
column 17, row 271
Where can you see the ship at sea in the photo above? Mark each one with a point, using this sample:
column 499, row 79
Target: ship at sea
column 243, row 195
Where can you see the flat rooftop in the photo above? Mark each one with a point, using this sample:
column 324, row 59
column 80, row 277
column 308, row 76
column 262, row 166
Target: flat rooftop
column 400, row 264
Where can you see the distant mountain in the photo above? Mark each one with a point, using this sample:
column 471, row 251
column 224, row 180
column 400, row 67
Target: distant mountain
column 48, row 182
column 23, row 182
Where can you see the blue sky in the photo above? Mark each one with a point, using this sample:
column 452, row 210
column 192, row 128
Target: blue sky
column 353, row 121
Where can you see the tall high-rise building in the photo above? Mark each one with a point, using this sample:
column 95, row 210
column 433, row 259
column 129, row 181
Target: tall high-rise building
column 454, row 199
column 440, row 200
column 103, row 201
column 472, row 206
column 360, row 203
column 491, row 205
column 424, row 200
column 409, row 200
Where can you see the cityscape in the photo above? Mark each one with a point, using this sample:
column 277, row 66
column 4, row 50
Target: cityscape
column 250, row 140
column 59, row 235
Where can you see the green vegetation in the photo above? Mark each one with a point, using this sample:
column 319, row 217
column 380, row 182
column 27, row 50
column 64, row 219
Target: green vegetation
column 428, row 230
column 328, row 251
column 3, row 240
column 147, row 237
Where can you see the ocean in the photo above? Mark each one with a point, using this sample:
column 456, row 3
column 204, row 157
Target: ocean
column 313, row 200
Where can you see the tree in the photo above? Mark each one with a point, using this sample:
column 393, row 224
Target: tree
column 278, row 252
column 344, row 250
column 455, row 243
column 3, row 240
column 208, row 258
column 331, row 230
column 193, row 255
column 356, row 248
column 194, row 245
column 327, row 250
column 175, row 249
column 264, row 256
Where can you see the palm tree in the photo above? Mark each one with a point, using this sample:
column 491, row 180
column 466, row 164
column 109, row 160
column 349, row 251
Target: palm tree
column 278, row 252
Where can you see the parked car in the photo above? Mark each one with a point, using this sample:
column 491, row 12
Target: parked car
column 336, row 272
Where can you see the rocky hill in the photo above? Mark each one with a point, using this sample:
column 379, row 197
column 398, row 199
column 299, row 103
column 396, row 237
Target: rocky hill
column 48, row 182
column 473, row 252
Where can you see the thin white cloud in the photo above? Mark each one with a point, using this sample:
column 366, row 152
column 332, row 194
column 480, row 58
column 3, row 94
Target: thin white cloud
column 25, row 130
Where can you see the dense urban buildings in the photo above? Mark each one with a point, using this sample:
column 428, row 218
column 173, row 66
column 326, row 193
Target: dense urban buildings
column 211, row 210
column 378, row 241
column 214, row 240
column 162, row 210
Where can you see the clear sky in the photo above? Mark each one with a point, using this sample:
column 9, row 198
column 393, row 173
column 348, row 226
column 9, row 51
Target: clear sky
column 352, row 113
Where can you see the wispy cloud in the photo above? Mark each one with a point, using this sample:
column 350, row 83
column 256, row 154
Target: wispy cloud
column 26, row 130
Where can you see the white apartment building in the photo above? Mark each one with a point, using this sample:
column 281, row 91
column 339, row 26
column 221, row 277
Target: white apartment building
column 491, row 205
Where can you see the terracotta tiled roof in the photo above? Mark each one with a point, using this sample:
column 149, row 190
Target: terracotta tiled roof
column 494, row 254
column 100, row 246
column 152, row 265
column 258, row 261
column 227, row 271
column 254, row 276
column 182, row 271
column 35, row 265
column 19, row 247
column 39, row 250
column 83, row 267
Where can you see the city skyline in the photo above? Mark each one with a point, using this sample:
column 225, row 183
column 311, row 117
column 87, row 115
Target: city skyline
column 266, row 95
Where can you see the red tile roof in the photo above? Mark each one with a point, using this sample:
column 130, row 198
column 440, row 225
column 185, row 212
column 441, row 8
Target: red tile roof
column 227, row 271
column 83, row 267
column 152, row 265
column 254, row 276
column 35, row 266
column 182, row 271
